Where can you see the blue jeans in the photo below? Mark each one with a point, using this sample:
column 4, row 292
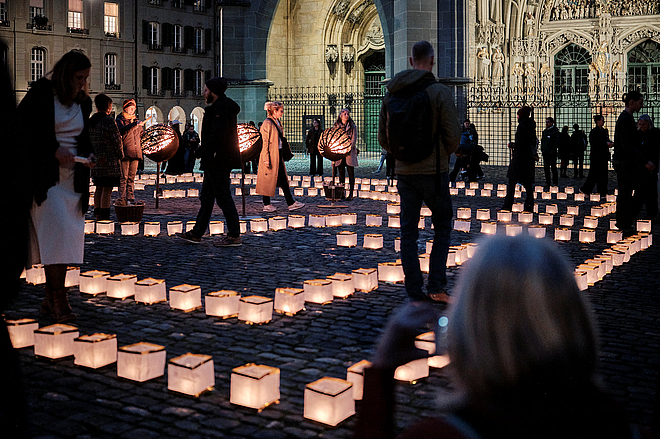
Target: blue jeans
column 433, row 190
column 216, row 188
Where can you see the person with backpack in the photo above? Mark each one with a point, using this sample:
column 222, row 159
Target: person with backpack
column 564, row 150
column 549, row 147
column 418, row 126
column 579, row 146
column 599, row 155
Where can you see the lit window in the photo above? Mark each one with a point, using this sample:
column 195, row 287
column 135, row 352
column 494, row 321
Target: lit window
column 3, row 11
column 111, row 18
column 153, row 80
column 110, row 69
column 177, row 38
column 36, row 8
column 199, row 40
column 198, row 5
column 154, row 35
column 37, row 57
column 74, row 19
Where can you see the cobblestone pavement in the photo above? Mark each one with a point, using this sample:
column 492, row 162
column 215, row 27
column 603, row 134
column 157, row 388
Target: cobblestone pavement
column 70, row 401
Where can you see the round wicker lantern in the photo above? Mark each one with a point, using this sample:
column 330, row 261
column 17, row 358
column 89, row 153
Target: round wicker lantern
column 334, row 143
column 249, row 141
column 159, row 142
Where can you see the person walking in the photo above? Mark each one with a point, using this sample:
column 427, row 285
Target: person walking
column 191, row 143
column 523, row 156
column 578, row 146
column 130, row 128
column 650, row 148
column 427, row 180
column 350, row 162
column 599, row 156
column 549, row 148
column 53, row 126
column 272, row 170
column 564, row 149
column 312, row 144
column 107, row 147
column 219, row 154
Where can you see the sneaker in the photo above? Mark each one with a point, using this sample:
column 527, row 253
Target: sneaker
column 188, row 236
column 269, row 208
column 440, row 297
column 296, row 205
column 228, row 241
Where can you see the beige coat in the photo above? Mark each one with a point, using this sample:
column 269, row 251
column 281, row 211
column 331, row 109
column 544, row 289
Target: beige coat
column 269, row 159
column 352, row 157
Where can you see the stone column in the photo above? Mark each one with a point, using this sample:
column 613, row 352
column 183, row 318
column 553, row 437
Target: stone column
column 414, row 20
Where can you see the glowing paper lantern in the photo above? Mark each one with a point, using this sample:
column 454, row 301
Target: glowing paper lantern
column 573, row 210
column 313, row 192
column 394, row 209
column 591, row 271
column 644, row 226
column 412, row 371
column 186, row 297
column 374, row 220
column 21, row 332
column 193, row 193
column 255, row 310
column 594, row 197
column 525, row 217
column 130, row 228
column 517, row 207
column 425, row 262
column 373, row 241
column 590, row 222
column 105, row 227
column 394, row 221
column 94, row 282
column 501, row 194
column 421, row 225
column 513, row 230
column 460, row 185
column 613, row 224
column 318, row 291
column 316, row 220
column 258, row 225
column 562, row 196
column 581, row 280
column 342, row 285
column 623, row 248
column 89, row 227
column 425, row 211
column 578, row 196
column 483, row 214
column 141, row 361
column 485, row 192
column 587, row 235
column 489, row 227
column 453, row 191
column 426, row 341
column 36, row 274
column 333, row 220
column 397, row 244
column 390, row 272
column 277, row 223
column 470, row 192
column 464, row 213
column 546, row 218
column 610, row 198
column 296, row 221
column 223, row 303
column 566, row 220
column 289, row 301
column 349, row 219
column 95, row 350
column 614, row 236
column 298, row 192
column 569, row 190
column 597, row 211
column 189, row 226
column 149, row 291
column 151, row 228
column 55, row 341
column 191, row 374
column 255, row 386
column 346, row 239
column 72, row 276
column 451, row 258
column 121, row 286
column 504, row 215
column 462, row 225
column 174, row 227
column 216, row 228
column 617, row 257
column 365, row 279
column 329, row 401
column 607, row 260
column 562, row 234
column 355, row 375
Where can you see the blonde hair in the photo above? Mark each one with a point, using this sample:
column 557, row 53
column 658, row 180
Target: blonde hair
column 519, row 319
column 271, row 107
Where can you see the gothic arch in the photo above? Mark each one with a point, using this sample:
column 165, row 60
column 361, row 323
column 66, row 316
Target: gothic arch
column 559, row 40
column 635, row 36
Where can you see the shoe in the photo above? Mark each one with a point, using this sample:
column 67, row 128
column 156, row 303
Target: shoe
column 269, row 208
column 188, row 236
column 61, row 308
column 349, row 198
column 296, row 205
column 46, row 308
column 442, row 297
column 228, row 241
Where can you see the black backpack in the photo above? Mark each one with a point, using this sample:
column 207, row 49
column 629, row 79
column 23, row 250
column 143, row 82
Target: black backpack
column 409, row 124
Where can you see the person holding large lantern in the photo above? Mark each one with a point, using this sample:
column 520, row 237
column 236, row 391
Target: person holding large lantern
column 59, row 173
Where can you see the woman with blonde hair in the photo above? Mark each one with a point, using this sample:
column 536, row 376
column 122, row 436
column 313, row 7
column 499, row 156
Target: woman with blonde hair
column 272, row 171
column 523, row 350
column 345, row 122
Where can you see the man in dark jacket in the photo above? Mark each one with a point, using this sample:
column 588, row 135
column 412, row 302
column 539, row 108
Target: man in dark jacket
column 549, row 145
column 219, row 153
column 599, row 155
column 426, row 180
column 579, row 145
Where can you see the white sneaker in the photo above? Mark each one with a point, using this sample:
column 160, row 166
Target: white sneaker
column 296, row 205
column 269, row 208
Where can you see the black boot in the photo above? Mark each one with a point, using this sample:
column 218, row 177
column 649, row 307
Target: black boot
column 61, row 307
column 47, row 304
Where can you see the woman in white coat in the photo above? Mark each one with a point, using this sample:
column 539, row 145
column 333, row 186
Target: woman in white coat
column 272, row 171
column 350, row 161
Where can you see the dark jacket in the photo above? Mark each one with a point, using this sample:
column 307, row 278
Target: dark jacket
column 106, row 142
column 36, row 128
column 550, row 141
column 564, row 146
column 219, row 148
column 312, row 140
column 578, row 142
column 600, row 150
column 131, row 134
column 650, row 146
column 523, row 151
column 626, row 141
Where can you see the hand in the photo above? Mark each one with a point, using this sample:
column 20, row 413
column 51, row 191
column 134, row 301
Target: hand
column 92, row 161
column 396, row 346
column 64, row 156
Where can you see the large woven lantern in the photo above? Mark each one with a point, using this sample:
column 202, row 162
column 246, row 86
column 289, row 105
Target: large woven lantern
column 159, row 142
column 249, row 141
column 334, row 143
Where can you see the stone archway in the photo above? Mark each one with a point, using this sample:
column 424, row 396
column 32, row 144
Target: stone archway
column 196, row 118
column 178, row 113
column 152, row 116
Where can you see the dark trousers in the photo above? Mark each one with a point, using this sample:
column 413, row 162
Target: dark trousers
column 550, row 169
column 629, row 179
column 578, row 164
column 432, row 190
column 528, row 184
column 597, row 177
column 390, row 162
column 315, row 163
column 216, row 189
column 341, row 169
column 651, row 194
column 282, row 182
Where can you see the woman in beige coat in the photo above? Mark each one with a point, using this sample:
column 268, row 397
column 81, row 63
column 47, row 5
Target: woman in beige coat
column 345, row 122
column 272, row 171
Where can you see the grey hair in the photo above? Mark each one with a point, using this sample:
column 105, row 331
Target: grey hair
column 519, row 319
column 647, row 118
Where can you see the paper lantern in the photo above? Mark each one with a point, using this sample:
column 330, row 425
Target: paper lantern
column 425, row 211
column 587, row 235
column 105, row 227
column 55, row 341
column 517, row 194
column 464, row 213
column 149, row 291
column 349, row 219
column 95, row 350
column 421, row 225
column 607, row 260
column 573, row 210
column 451, row 258
column 151, row 228
column 513, row 230
column 504, row 215
column 191, row 374
column 277, row 223
column 397, row 244
column 610, row 198
column 193, row 193
column 562, row 196
column 594, row 197
column 562, row 234
column 313, row 192
column 471, row 248
column 316, row 220
column 501, row 194
column 546, row 218
column 517, row 207
column 462, row 225
column 644, row 226
column 289, row 301
column 623, row 248
column 374, row 220
column 21, row 332
column 485, row 192
column 365, row 279
column 483, row 214
column 222, row 303
column 298, row 192
column 461, row 253
column 329, row 401
column 121, row 286
column 130, row 228
column 412, row 371
column 592, row 273
column 36, row 274
column 174, row 227
column 525, row 217
column 94, row 282
column 581, row 280
column 590, row 222
column 614, row 236
column 141, row 361
column 390, row 272
column 318, row 291
column 342, row 285
column 578, row 196
column 546, row 196
column 394, row 221
column 425, row 262
column 355, row 376
column 645, row 240
column 617, row 257
column 216, row 228
column 346, row 239
column 89, row 226
column 373, row 241
column 255, row 386
column 613, row 224
column 569, row 190
column 470, row 192
column 296, row 221
column 186, row 297
column 566, row 220
column 189, row 226
column 489, row 227
column 258, row 225
column 597, row 211
column 333, row 220
column 426, row 341
column 255, row 310
column 453, row 191
column 393, row 209
column 72, row 277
